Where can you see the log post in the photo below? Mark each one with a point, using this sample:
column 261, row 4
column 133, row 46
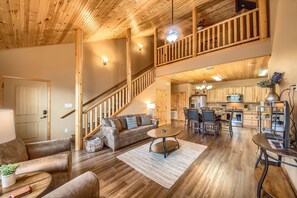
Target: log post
column 155, row 47
column 128, row 64
column 194, row 31
column 78, row 88
column 263, row 21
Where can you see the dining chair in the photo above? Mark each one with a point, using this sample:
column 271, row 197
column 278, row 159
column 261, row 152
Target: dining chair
column 194, row 119
column 209, row 122
column 185, row 110
column 228, row 122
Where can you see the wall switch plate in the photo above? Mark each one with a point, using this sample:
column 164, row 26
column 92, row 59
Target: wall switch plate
column 68, row 105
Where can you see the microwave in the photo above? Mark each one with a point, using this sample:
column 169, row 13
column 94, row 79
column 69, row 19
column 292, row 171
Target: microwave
column 235, row 98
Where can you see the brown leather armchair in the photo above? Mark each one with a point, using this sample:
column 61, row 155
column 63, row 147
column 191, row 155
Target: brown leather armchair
column 85, row 185
column 53, row 156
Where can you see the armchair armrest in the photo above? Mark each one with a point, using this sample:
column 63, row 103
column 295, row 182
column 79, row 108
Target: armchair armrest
column 155, row 122
column 51, row 164
column 85, row 184
column 47, row 148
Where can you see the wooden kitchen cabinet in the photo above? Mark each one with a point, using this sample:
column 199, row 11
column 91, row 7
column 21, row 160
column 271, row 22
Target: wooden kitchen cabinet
column 250, row 119
column 249, row 94
column 211, row 95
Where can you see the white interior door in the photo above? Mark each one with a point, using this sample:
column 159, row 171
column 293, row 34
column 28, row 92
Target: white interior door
column 29, row 99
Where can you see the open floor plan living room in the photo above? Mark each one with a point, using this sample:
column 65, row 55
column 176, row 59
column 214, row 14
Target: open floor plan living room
column 148, row 98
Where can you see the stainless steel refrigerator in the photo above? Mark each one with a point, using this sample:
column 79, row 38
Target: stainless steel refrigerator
column 197, row 101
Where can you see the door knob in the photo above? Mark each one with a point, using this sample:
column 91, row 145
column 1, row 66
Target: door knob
column 43, row 117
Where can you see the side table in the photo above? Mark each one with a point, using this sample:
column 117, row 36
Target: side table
column 262, row 141
column 38, row 182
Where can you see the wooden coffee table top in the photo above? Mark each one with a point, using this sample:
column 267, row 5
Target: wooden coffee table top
column 157, row 133
column 38, row 182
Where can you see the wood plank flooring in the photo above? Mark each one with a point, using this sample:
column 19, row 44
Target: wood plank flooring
column 224, row 169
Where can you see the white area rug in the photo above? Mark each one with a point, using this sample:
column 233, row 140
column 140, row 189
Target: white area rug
column 164, row 171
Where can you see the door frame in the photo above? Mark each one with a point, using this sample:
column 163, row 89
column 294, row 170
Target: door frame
column 2, row 77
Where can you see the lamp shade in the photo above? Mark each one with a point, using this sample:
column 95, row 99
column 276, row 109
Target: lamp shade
column 151, row 106
column 7, row 127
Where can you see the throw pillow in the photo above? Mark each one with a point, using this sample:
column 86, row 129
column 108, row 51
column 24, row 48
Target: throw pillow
column 13, row 151
column 146, row 120
column 123, row 121
column 131, row 122
column 115, row 123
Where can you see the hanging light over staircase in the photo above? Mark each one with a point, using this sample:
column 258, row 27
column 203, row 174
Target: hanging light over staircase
column 172, row 34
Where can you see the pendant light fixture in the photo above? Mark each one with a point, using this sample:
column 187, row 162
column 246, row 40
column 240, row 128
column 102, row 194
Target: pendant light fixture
column 172, row 33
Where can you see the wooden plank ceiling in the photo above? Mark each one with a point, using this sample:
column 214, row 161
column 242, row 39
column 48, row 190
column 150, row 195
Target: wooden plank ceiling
column 245, row 69
column 25, row 23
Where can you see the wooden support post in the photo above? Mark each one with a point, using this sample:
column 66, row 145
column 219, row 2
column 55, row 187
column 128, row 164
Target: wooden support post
column 78, row 88
column 155, row 47
column 194, row 31
column 263, row 22
column 128, row 64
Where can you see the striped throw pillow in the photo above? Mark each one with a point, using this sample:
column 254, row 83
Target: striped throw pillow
column 131, row 122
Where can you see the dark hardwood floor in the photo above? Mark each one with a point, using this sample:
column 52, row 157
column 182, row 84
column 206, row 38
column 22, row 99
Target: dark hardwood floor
column 224, row 169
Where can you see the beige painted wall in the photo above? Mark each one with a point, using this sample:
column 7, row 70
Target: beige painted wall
column 284, row 51
column 139, row 105
column 57, row 64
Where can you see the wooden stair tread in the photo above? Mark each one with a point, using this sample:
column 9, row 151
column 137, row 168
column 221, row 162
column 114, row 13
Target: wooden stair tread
column 276, row 183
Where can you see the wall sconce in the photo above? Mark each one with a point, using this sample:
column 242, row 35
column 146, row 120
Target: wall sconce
column 140, row 46
column 105, row 60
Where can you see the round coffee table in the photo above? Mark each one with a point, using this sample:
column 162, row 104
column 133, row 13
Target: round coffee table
column 165, row 146
column 38, row 182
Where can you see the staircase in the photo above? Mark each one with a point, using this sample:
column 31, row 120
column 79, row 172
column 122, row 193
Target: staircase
column 114, row 103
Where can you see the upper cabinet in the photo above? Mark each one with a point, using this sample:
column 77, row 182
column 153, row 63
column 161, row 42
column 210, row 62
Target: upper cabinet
column 250, row 93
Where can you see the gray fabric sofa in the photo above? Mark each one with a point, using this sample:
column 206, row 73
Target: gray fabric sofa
column 116, row 138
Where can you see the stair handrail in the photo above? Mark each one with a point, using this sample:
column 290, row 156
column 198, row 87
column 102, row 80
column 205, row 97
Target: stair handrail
column 108, row 90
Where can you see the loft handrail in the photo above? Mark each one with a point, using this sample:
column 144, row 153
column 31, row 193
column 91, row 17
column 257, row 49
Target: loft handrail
column 138, row 74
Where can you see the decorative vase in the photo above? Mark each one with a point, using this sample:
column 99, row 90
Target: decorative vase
column 8, row 180
column 272, row 95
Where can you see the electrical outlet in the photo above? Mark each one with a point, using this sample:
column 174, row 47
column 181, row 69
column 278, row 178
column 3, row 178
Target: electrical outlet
column 66, row 130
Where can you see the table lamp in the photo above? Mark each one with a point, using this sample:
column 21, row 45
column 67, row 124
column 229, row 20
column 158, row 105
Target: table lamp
column 7, row 127
column 151, row 107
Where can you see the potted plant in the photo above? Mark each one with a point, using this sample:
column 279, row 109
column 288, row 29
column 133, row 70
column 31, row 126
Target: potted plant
column 270, row 83
column 8, row 174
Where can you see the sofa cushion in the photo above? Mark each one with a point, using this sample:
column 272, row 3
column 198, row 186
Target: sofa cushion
column 131, row 122
column 115, row 123
column 123, row 121
column 13, row 151
column 129, row 133
column 146, row 120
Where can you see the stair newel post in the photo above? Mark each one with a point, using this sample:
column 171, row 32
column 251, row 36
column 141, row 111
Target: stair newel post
column 194, row 31
column 263, row 21
column 128, row 64
column 78, row 88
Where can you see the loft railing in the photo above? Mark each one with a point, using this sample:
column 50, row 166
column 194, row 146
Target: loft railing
column 114, row 103
column 237, row 30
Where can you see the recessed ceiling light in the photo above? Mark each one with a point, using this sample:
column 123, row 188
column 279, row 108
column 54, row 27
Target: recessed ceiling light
column 217, row 78
column 263, row 72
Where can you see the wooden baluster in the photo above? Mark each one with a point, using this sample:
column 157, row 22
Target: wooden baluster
column 203, row 43
column 86, row 123
column 219, row 35
column 186, row 46
column 109, row 106
column 120, row 99
column 104, row 109
column 100, row 113
column 190, row 46
column 208, row 39
column 248, row 26
column 175, row 50
column 182, row 51
column 155, row 47
column 241, row 28
column 224, row 34
column 172, row 52
column 117, row 101
column 213, row 37
column 235, row 31
column 178, row 56
column 199, row 42
column 255, row 24
column 229, row 33
column 112, row 104
column 96, row 117
column 91, row 120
